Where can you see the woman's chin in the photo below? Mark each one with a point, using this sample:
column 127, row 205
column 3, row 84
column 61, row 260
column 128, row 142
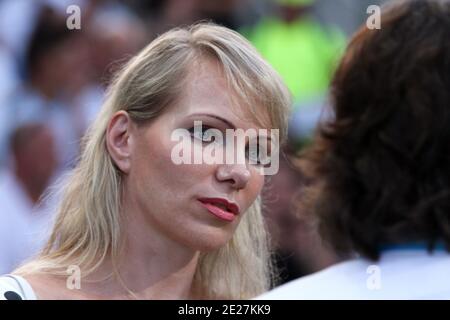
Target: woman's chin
column 208, row 244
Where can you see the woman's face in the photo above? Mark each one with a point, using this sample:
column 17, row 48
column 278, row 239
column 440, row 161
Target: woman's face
column 182, row 202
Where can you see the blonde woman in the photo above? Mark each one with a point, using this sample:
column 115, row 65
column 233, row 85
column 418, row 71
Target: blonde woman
column 133, row 224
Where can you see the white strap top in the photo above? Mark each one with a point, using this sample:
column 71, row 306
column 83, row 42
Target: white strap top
column 13, row 287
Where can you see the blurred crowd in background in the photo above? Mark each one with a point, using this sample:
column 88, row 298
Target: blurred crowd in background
column 52, row 82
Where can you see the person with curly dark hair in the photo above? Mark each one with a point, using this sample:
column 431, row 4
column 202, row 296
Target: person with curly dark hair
column 380, row 168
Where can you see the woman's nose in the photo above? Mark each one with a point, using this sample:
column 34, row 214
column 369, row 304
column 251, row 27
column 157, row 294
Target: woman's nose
column 237, row 175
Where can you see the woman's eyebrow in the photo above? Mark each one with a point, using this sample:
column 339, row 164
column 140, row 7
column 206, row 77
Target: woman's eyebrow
column 228, row 123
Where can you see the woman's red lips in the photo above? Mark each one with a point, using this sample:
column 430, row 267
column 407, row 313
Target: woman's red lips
column 230, row 206
column 221, row 208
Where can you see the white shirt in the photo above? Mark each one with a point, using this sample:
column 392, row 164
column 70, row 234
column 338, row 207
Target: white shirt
column 14, row 287
column 25, row 106
column 23, row 227
column 400, row 274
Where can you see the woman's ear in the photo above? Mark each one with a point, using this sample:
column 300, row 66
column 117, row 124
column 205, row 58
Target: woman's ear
column 118, row 140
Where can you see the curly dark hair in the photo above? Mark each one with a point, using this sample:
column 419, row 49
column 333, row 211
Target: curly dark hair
column 381, row 166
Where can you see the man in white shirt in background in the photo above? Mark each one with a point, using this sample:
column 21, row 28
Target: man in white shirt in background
column 381, row 167
column 23, row 219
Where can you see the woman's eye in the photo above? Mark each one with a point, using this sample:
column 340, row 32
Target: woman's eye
column 202, row 133
column 252, row 155
column 257, row 155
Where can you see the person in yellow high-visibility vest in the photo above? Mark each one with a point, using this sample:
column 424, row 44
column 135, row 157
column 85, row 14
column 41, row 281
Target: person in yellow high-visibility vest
column 299, row 47
column 305, row 53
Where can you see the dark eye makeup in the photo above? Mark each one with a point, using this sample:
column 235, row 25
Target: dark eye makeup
column 257, row 154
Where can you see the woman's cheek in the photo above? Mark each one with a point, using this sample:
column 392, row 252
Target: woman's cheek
column 257, row 179
column 253, row 188
column 177, row 175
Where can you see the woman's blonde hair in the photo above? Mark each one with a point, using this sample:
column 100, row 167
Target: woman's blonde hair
column 87, row 226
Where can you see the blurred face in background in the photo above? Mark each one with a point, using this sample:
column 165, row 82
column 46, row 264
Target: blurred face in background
column 35, row 158
column 64, row 69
